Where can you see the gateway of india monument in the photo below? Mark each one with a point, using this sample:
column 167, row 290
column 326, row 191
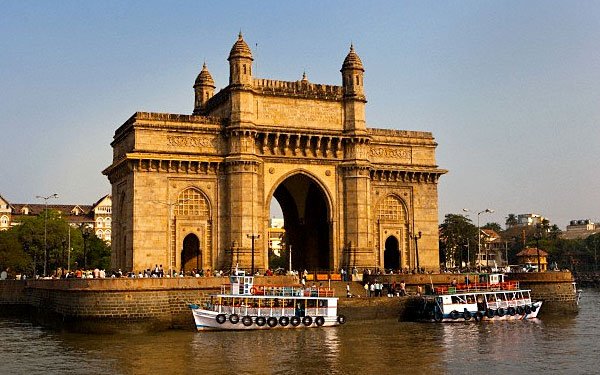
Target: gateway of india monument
column 194, row 191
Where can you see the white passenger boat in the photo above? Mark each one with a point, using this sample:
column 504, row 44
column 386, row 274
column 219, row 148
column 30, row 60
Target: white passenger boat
column 489, row 299
column 241, row 305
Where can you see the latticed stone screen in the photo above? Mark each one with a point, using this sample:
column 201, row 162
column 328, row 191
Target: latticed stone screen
column 391, row 209
column 192, row 203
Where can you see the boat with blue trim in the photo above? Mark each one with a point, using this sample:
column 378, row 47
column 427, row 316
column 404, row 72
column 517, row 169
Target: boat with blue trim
column 492, row 298
column 241, row 305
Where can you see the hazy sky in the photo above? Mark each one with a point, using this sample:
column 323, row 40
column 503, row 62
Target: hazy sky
column 510, row 89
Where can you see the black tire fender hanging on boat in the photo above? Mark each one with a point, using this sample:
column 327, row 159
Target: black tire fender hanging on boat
column 533, row 307
column 272, row 321
column 511, row 311
column 527, row 309
column 247, row 321
column 500, row 312
column 220, row 318
column 520, row 310
column 454, row 315
column 234, row 318
column 341, row 319
column 478, row 316
column 467, row 315
column 489, row 313
column 284, row 321
column 261, row 321
column 307, row 320
column 295, row 321
column 319, row 320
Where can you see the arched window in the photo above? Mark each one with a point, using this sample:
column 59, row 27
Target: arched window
column 107, row 222
column 4, row 221
column 99, row 222
column 392, row 209
column 192, row 202
column 107, row 235
column 99, row 233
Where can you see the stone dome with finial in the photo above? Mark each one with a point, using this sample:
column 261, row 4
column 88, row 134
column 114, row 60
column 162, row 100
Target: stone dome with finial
column 204, row 78
column 240, row 49
column 352, row 61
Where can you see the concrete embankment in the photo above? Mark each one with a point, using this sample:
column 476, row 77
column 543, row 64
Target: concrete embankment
column 130, row 305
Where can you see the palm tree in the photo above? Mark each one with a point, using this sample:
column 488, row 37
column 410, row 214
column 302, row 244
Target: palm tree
column 511, row 220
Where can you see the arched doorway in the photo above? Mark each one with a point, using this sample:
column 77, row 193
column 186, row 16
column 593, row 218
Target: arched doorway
column 391, row 254
column 191, row 256
column 305, row 211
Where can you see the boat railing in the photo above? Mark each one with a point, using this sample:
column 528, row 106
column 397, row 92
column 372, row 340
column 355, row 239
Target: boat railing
column 244, row 310
column 284, row 291
column 477, row 287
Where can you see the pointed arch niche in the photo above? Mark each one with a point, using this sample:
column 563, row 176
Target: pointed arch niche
column 392, row 232
column 192, row 221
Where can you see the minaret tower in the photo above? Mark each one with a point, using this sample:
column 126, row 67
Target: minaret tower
column 240, row 63
column 204, row 89
column 354, row 93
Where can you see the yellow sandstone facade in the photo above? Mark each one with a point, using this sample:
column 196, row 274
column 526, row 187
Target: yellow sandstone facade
column 194, row 191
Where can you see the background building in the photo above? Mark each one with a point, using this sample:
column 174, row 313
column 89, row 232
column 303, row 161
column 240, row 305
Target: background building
column 97, row 216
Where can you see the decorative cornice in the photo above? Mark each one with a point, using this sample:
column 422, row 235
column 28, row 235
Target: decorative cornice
column 412, row 175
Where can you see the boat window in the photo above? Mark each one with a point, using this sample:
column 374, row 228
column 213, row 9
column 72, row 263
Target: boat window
column 455, row 299
column 470, row 298
column 311, row 303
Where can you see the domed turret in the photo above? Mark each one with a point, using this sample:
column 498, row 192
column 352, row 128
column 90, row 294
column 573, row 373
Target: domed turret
column 352, row 61
column 240, row 63
column 204, row 89
column 354, row 93
column 204, row 78
column 240, row 49
column 352, row 75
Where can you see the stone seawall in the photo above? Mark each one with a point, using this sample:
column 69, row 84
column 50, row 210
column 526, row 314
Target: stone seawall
column 132, row 305
column 111, row 305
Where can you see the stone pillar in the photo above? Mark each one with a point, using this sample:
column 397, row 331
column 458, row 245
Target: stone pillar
column 357, row 187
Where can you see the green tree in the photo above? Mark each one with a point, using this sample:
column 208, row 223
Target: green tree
column 511, row 220
column 457, row 234
column 493, row 226
column 12, row 255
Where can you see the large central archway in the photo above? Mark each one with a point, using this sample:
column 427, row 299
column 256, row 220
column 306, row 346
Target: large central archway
column 306, row 215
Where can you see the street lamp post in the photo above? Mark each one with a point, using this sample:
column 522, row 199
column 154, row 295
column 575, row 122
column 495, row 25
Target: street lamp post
column 45, row 227
column 487, row 210
column 86, row 235
column 537, row 236
column 253, row 237
column 416, row 237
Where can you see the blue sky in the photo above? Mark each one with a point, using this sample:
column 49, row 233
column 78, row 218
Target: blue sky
column 510, row 89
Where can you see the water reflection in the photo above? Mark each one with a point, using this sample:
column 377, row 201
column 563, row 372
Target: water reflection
column 557, row 343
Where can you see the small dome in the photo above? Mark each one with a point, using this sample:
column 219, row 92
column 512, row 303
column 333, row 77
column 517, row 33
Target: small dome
column 204, row 78
column 352, row 61
column 240, row 49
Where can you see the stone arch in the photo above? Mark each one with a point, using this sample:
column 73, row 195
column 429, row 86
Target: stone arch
column 308, row 210
column 191, row 253
column 191, row 217
column 391, row 254
column 393, row 219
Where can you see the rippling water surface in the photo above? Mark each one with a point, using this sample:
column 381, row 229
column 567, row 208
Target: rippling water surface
column 555, row 344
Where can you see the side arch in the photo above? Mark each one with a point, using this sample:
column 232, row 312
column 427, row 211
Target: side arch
column 392, row 216
column 191, row 230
